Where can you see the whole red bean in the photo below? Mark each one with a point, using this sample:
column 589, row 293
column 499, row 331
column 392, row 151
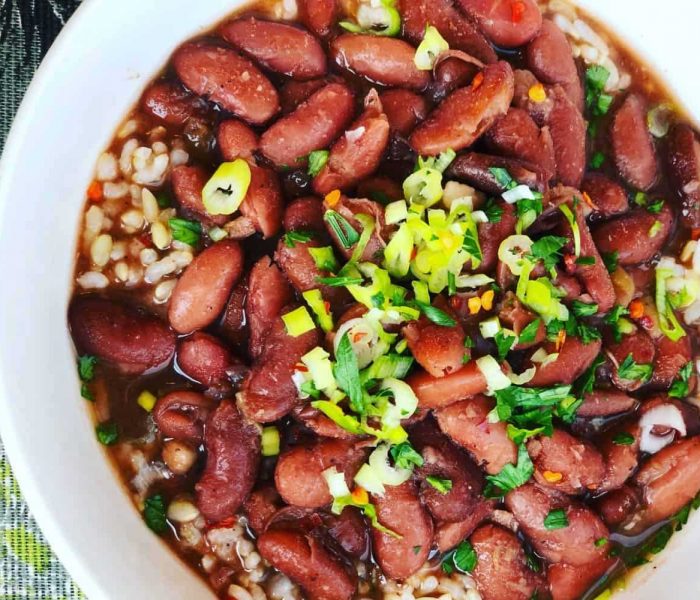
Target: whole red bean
column 439, row 350
column 450, row 74
column 131, row 339
column 236, row 140
column 640, row 347
column 226, row 78
column 263, row 204
column 187, row 183
column 506, row 23
column 401, row 511
column 181, row 415
column 616, row 506
column 203, row 289
column 574, row 358
column 450, row 534
column 404, row 109
column 467, row 113
column 320, row 424
column 171, row 103
column 380, row 189
column 491, row 235
column 608, row 196
column 524, row 82
column 349, row 530
column 475, row 169
column 549, row 55
column 568, row 582
column 670, row 358
column 204, row 359
column 260, row 507
column 621, row 460
column 683, row 158
column 233, row 326
column 606, row 403
column 438, row 392
column 233, row 456
column 312, row 126
column 568, row 130
column 293, row 93
column 305, row 214
column 318, row 15
column 632, row 144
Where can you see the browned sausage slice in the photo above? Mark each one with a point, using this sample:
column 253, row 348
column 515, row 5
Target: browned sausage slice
column 683, row 157
column 506, row 23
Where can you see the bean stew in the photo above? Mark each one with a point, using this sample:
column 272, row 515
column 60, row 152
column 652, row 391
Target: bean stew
column 399, row 299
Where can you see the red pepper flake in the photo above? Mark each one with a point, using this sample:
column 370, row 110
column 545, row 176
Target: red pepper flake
column 517, row 10
column 301, row 367
column 414, row 253
column 477, row 81
column 358, row 336
column 636, row 309
column 646, row 321
column 327, row 306
column 570, row 263
column 94, row 192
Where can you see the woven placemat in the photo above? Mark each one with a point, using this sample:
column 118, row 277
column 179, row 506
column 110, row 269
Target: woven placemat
column 28, row 568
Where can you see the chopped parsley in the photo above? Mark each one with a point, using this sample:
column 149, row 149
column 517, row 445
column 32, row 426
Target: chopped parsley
column 493, row 212
column 187, row 232
column 623, row 439
column 107, row 433
column 581, row 309
column 405, row 456
column 463, row 558
column 548, row 250
column 441, row 485
column 631, row 371
column 437, row 316
column 317, row 160
column 610, row 259
column 154, row 514
column 597, row 160
column 613, row 320
column 529, row 332
column 597, row 101
column 86, row 372
column 504, row 342
column 292, row 238
column 503, row 178
column 347, row 374
column 585, row 261
column 511, row 476
column 556, row 519
column 680, row 388
column 339, row 281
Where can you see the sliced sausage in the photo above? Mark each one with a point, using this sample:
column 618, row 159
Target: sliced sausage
column 181, row 415
column 318, row 15
column 233, row 456
column 683, row 158
column 400, row 510
column 133, row 340
column 188, row 183
column 236, row 140
column 632, row 144
column 312, row 126
column 171, row 103
column 574, row 358
column 299, row 472
column 204, row 359
column 404, row 109
column 223, row 76
column 203, row 289
column 549, row 55
column 467, row 113
column 475, row 169
column 278, row 47
column 438, row 392
column 505, row 23
column 609, row 197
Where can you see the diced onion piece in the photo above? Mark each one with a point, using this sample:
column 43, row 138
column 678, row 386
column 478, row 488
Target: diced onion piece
column 376, row 18
column 395, row 212
column 225, row 191
column 270, row 442
column 316, row 303
column 398, row 252
column 321, row 369
column 522, row 378
column 369, row 479
column 512, row 250
column 542, row 358
column 405, row 402
column 424, row 187
column 432, row 46
column 659, row 120
column 496, row 379
column 490, row 327
column 298, row 322
column 458, row 192
column 337, row 485
column 216, row 234
column 480, row 216
column 520, row 192
column 665, row 416
column 473, row 281
column 379, row 461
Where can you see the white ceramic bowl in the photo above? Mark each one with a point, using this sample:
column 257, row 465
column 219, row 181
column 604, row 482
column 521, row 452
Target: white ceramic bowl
column 92, row 76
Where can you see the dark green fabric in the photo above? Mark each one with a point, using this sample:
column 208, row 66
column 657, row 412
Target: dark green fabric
column 28, row 569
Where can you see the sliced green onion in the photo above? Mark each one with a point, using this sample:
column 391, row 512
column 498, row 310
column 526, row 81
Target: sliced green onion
column 420, row 290
column 432, row 46
column 398, row 252
column 368, row 226
column 383, row 20
column 227, row 188
column 444, row 486
column 270, row 442
column 655, row 229
column 389, row 366
column 405, row 402
column 424, row 187
column 346, row 234
column 512, row 250
column 298, row 322
column 337, row 485
column 668, row 323
column 396, row 212
column 314, row 299
column 216, row 234
column 321, row 370
column 317, row 160
column 324, row 258
column 564, row 208
column 520, row 192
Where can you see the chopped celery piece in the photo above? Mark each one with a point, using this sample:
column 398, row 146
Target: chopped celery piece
column 321, row 370
column 298, row 322
column 316, row 303
column 395, row 212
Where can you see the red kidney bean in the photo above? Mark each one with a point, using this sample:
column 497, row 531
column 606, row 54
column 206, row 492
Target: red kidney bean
column 299, row 472
column 491, row 235
column 263, row 204
column 621, row 460
column 404, row 109
column 279, row 47
column 133, row 340
column 450, row 74
column 260, row 507
column 581, row 466
column 568, row 130
column 574, row 358
column 539, row 111
column 181, row 415
column 306, row 561
column 609, row 197
column 466, row 423
column 349, row 530
column 203, row 289
column 269, row 392
column 438, row 392
column 567, row 582
column 401, row 511
column 187, row 183
column 233, row 456
column 450, row 534
column 305, row 214
column 204, row 359
column 356, row 154
column 500, row 22
column 574, row 544
column 467, row 113
column 683, row 159
column 640, row 346
column 569, row 285
column 475, row 169
column 632, row 144
column 439, row 350
column 502, row 569
column 233, row 326
column 268, row 294
column 384, row 60
column 631, row 235
column 616, row 506
column 312, row 126
column 318, row 15
column 516, row 317
column 549, row 55
column 606, row 403
column 459, row 32
column 670, row 358
column 223, row 76
column 380, row 189
column 320, row 424
column 171, row 103
column 517, row 135
column 668, row 481
column 236, row 140
column 293, row 93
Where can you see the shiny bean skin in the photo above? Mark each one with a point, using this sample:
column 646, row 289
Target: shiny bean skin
column 450, row 74
column 312, row 126
column 459, row 32
column 356, row 154
column 349, row 530
column 574, row 544
column 187, row 183
column 278, row 47
column 131, row 339
column 236, row 140
column 475, row 169
column 204, row 359
column 438, row 392
column 171, row 103
column 260, row 507
column 567, row 582
column 233, row 456
column 203, row 289
column 568, row 130
column 630, row 235
column 580, row 464
column 670, row 358
column 320, row 424
column 305, row 214
column 401, row 511
column 439, row 350
column 268, row 294
column 466, row 423
column 606, row 403
column 299, row 472
column 539, row 111
column 181, row 415
column 549, row 55
column 404, row 109
column 502, row 569
column 306, row 561
column 466, row 114
column 293, row 93
column 683, row 159
column 633, row 146
column 380, row 189
column 516, row 317
column 318, row 15
column 491, row 235
column 383, row 60
column 621, row 460
column 263, row 204
column 496, row 19
column 616, row 506
column 450, row 534
column 223, row 76
column 574, row 358
column 609, row 197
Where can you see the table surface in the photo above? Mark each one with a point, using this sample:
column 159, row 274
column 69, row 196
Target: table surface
column 28, row 568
